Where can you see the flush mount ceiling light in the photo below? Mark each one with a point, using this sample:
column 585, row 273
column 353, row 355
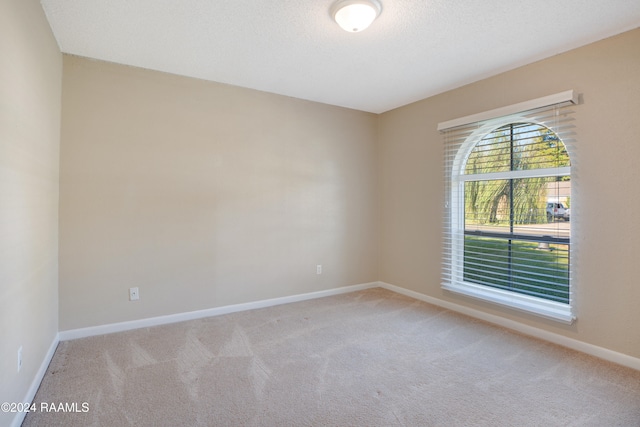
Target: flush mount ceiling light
column 355, row 15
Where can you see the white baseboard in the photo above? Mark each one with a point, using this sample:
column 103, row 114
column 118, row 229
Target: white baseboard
column 593, row 350
column 35, row 384
column 199, row 314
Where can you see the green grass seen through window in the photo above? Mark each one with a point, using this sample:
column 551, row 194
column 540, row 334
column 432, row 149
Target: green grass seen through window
column 526, row 269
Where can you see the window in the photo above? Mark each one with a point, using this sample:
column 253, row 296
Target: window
column 508, row 211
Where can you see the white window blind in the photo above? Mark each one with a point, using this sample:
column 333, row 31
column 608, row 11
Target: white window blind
column 507, row 211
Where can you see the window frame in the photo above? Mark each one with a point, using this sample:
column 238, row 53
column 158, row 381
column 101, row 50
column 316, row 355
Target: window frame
column 550, row 309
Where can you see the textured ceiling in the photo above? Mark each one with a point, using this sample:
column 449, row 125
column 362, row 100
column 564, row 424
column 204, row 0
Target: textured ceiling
column 415, row 49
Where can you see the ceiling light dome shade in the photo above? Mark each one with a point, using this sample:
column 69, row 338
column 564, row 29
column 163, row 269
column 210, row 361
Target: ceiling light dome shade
column 355, row 15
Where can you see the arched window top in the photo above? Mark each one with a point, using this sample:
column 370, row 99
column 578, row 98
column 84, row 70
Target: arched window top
column 517, row 147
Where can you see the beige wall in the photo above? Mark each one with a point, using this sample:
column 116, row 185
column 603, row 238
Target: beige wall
column 205, row 195
column 605, row 203
column 30, row 85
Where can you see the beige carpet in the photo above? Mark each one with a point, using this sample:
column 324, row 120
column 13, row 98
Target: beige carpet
column 370, row 358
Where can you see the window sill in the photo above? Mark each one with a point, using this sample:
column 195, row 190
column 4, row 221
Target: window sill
column 538, row 306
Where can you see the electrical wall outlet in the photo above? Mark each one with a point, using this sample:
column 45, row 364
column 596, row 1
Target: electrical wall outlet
column 134, row 294
column 319, row 269
column 19, row 358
